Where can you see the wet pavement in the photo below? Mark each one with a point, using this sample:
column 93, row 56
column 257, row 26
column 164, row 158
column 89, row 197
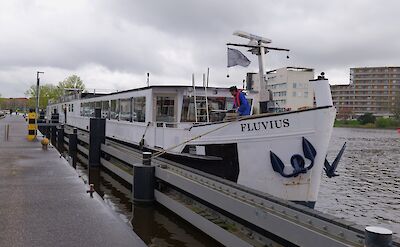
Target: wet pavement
column 43, row 202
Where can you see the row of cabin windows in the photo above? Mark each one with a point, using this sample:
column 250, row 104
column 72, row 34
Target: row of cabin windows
column 133, row 109
column 130, row 109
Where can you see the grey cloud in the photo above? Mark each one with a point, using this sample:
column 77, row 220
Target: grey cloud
column 172, row 39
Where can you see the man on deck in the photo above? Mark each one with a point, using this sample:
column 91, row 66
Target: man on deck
column 240, row 102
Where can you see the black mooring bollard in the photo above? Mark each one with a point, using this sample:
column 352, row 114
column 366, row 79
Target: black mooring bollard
column 73, row 146
column 97, row 137
column 143, row 181
column 60, row 138
column 376, row 236
column 53, row 136
column 146, row 158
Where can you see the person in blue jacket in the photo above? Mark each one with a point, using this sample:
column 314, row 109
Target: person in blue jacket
column 240, row 102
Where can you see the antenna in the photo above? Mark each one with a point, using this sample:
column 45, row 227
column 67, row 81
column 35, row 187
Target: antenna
column 148, row 79
column 257, row 47
column 252, row 37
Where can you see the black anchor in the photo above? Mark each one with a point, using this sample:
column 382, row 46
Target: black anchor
column 330, row 169
column 296, row 160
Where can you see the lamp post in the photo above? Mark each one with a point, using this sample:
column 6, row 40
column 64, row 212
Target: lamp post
column 37, row 95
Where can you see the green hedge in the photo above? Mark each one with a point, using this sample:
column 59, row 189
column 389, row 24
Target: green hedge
column 382, row 123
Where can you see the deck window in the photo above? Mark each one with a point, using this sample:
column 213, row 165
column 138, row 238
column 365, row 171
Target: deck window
column 188, row 114
column 139, row 109
column 105, row 107
column 125, row 110
column 165, row 109
column 91, row 109
column 114, row 110
column 87, row 109
column 216, row 109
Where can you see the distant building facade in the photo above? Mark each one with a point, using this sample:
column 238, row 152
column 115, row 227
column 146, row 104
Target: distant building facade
column 290, row 87
column 14, row 104
column 371, row 90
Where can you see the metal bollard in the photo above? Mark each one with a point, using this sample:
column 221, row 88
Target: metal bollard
column 6, row 132
column 60, row 138
column 376, row 236
column 143, row 181
column 73, row 146
column 96, row 138
column 53, row 136
column 146, row 158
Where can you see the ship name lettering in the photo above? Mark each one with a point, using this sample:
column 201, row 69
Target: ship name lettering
column 265, row 125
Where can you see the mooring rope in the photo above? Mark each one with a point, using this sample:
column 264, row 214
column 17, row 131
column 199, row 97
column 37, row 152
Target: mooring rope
column 159, row 153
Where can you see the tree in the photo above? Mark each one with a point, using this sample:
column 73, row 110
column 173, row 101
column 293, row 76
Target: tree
column 46, row 92
column 366, row 118
column 72, row 82
column 50, row 92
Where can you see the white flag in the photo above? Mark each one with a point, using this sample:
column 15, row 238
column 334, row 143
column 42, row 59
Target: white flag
column 235, row 57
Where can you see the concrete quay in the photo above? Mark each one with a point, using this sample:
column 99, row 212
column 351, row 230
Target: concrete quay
column 44, row 203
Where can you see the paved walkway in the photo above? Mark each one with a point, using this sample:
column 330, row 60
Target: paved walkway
column 44, row 203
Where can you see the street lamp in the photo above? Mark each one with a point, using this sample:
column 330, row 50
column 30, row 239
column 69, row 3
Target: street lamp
column 37, row 95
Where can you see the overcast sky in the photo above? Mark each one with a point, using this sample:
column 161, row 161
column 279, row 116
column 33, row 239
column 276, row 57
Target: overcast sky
column 113, row 44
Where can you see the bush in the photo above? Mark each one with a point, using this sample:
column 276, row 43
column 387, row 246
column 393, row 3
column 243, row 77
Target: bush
column 366, row 118
column 386, row 123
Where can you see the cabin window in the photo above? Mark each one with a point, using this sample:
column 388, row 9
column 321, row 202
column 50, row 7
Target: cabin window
column 217, row 106
column 114, row 113
column 72, row 107
column 97, row 105
column 85, row 109
column 188, row 110
column 91, row 109
column 165, row 109
column 81, row 110
column 105, row 107
column 125, row 110
column 229, row 103
column 216, row 109
column 139, row 109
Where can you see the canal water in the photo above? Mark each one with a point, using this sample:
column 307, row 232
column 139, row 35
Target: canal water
column 367, row 191
column 155, row 225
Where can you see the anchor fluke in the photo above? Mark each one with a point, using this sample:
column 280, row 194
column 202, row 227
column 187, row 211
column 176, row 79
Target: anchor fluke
column 278, row 165
column 309, row 152
column 330, row 169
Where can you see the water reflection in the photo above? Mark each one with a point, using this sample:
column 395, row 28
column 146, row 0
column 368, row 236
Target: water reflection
column 368, row 189
column 155, row 224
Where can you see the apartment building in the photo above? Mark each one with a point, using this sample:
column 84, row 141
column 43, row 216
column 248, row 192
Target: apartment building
column 371, row 90
column 290, row 87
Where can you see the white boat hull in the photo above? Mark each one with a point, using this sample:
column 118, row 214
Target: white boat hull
column 253, row 137
column 281, row 134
